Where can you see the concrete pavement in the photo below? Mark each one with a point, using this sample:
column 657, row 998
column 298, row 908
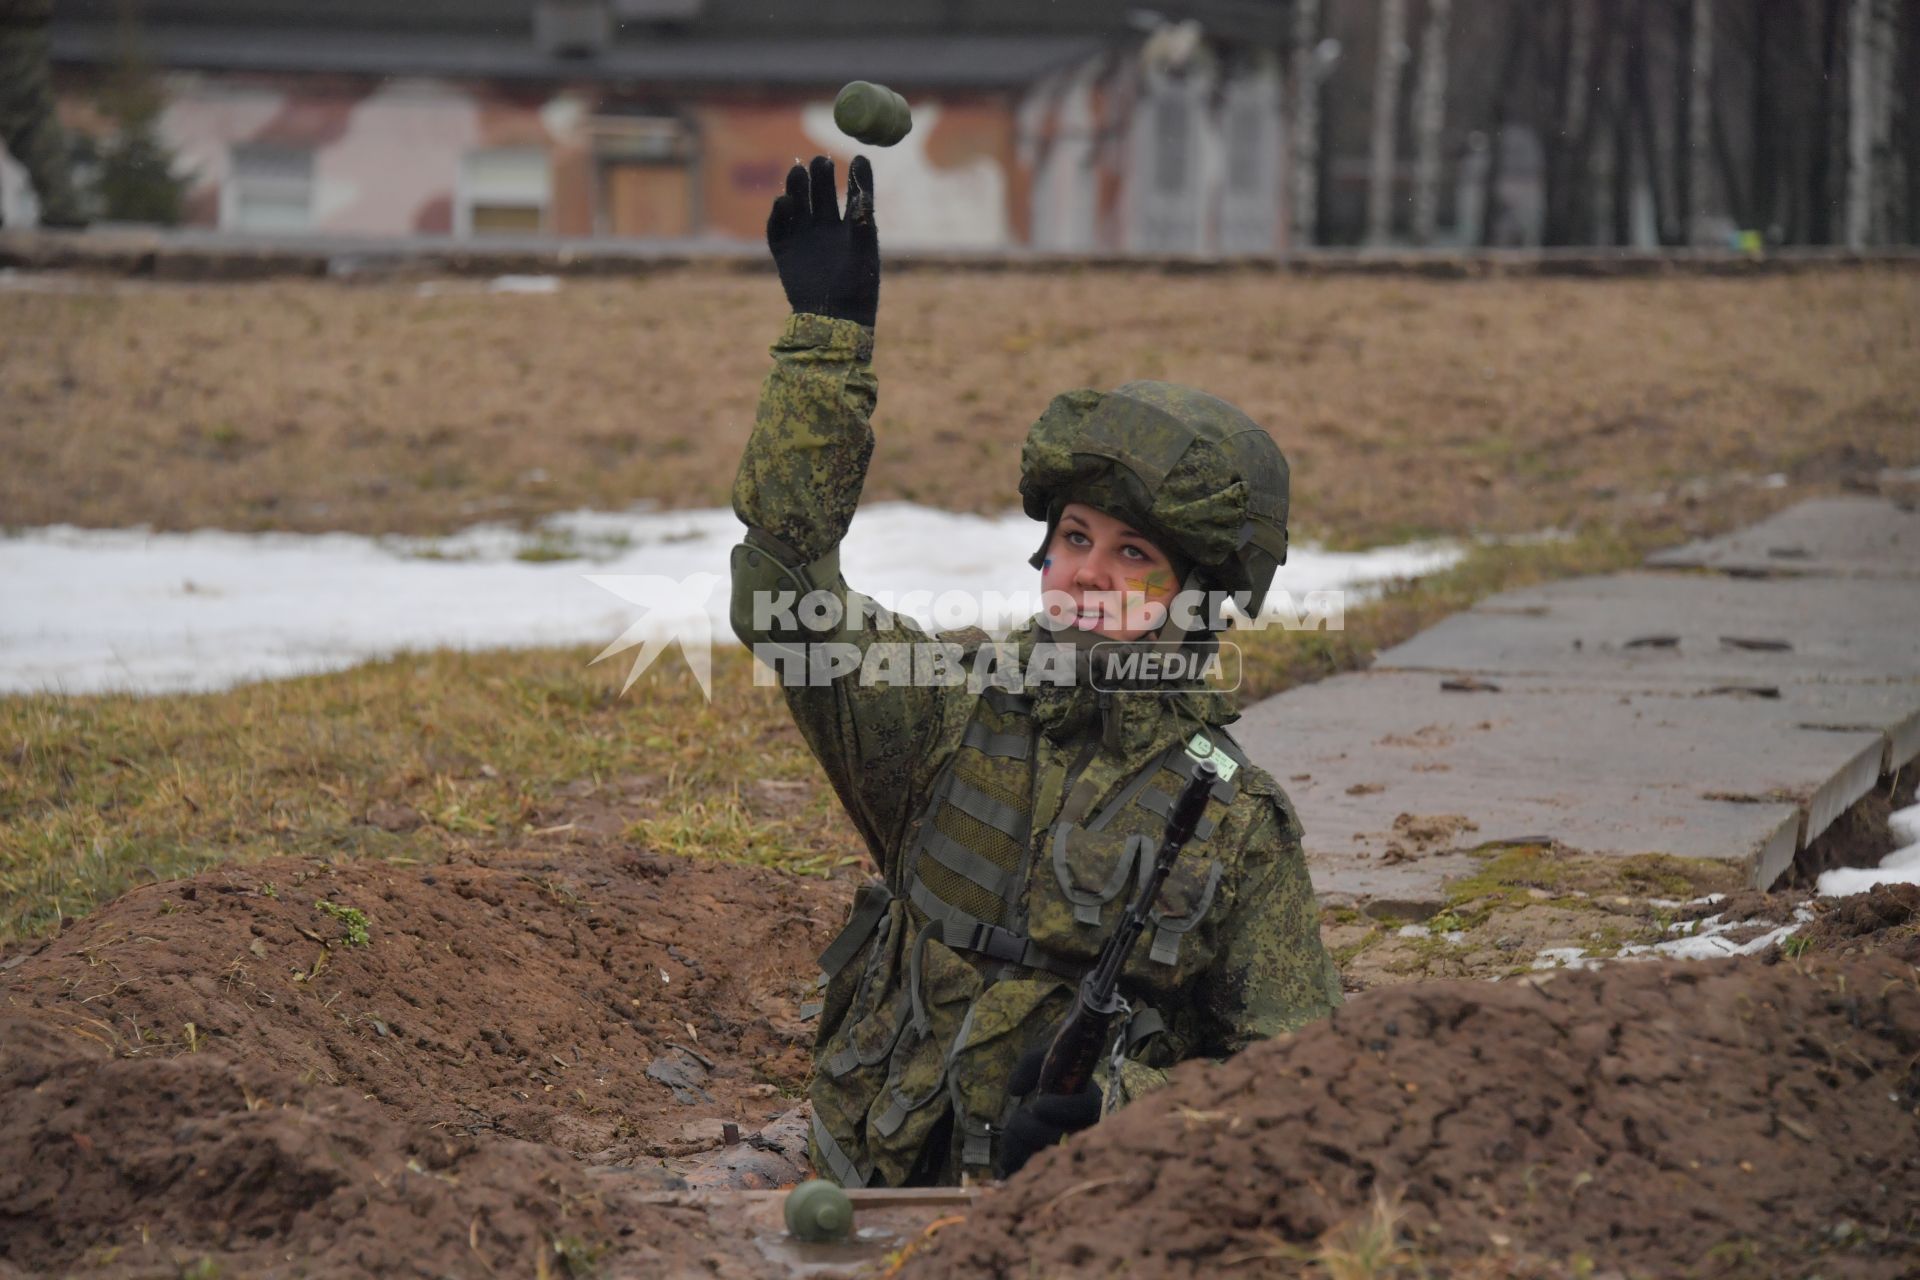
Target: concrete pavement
column 1730, row 702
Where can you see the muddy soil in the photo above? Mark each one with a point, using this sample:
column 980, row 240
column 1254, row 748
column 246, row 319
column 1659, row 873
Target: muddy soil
column 519, row 996
column 1719, row 1118
column 213, row 1067
column 1883, row 921
column 213, row 1073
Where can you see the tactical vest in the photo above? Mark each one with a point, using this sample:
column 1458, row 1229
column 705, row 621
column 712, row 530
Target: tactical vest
column 1013, row 938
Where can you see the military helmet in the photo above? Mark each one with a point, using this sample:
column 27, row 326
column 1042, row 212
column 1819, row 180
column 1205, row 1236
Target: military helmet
column 1196, row 475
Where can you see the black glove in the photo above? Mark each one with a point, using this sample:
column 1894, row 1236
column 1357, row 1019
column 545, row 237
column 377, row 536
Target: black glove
column 1043, row 1119
column 829, row 265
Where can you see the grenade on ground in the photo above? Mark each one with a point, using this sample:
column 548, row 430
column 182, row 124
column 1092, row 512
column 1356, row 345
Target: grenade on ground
column 818, row 1210
column 872, row 113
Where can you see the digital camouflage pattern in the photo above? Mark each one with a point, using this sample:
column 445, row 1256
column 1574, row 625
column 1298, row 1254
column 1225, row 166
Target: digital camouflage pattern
column 27, row 122
column 956, row 790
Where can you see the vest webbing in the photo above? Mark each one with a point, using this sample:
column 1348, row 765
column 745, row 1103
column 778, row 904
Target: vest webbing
column 965, row 870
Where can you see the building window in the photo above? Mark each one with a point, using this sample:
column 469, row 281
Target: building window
column 269, row 188
column 504, row 191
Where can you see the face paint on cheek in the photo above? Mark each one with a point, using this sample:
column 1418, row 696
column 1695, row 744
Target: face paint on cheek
column 1046, row 564
column 1156, row 581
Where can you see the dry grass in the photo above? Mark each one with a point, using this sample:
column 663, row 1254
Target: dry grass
column 1406, row 406
column 435, row 755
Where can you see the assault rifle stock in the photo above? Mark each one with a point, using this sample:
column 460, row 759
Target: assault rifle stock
column 1088, row 1030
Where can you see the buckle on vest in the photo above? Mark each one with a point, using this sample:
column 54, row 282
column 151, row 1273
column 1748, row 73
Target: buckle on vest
column 991, row 940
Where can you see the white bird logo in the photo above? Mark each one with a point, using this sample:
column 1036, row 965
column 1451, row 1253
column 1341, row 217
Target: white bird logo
column 675, row 609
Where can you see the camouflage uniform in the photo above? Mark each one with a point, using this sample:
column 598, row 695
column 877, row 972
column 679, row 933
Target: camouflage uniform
column 27, row 123
column 1008, row 829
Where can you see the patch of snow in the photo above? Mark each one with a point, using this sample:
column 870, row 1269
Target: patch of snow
column 1902, row 866
column 1707, row 943
column 524, row 284
column 1565, row 958
column 1901, row 859
column 88, row 610
column 1707, row 901
column 1414, row 931
column 1905, row 825
column 1698, row 940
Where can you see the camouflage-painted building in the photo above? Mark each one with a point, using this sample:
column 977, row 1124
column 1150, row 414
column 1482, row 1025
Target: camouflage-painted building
column 1064, row 125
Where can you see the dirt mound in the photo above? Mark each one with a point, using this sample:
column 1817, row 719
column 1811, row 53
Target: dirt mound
column 1885, row 920
column 1721, row 1118
column 150, row 1167
column 615, row 1006
column 220, row 1068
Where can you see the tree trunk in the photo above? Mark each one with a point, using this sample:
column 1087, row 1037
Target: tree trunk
column 1590, row 170
column 1566, row 151
column 1386, row 113
column 1640, row 106
column 1738, row 201
column 1886, row 196
column 1859, row 217
column 1305, row 171
column 1761, row 210
column 1429, row 116
column 1620, row 136
column 1910, row 77
column 1679, row 156
column 1510, row 63
column 1620, row 129
column 1700, row 123
column 1820, row 200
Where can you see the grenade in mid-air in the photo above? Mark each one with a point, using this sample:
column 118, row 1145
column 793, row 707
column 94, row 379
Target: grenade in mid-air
column 818, row 1210
column 872, row 113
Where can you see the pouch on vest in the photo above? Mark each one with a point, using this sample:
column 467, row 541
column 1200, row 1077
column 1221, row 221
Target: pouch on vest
column 1009, row 1017
column 852, row 1061
column 1094, row 869
column 840, row 977
column 1183, row 903
column 913, row 1098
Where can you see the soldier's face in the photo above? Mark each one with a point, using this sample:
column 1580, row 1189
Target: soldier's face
column 1120, row 583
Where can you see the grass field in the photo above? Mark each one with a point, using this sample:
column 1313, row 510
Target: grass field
column 429, row 756
column 1630, row 413
column 1406, row 407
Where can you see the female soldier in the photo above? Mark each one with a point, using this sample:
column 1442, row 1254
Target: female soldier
column 1008, row 825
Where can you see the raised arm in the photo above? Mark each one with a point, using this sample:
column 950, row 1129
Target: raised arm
column 804, row 466
column 796, row 491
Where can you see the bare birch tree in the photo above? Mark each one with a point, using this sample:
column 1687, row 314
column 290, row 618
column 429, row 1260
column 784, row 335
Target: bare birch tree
column 1429, row 115
column 1885, row 90
column 1386, row 113
column 1306, row 120
column 1700, row 125
column 1869, row 100
column 1566, row 158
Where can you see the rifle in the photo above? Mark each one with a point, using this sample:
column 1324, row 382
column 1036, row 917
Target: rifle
column 1086, row 1032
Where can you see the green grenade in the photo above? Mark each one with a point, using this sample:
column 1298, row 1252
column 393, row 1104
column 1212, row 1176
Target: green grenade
column 872, row 113
column 818, row 1210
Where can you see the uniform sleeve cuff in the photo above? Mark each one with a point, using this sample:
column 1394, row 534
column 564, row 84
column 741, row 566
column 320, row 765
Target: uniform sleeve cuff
column 826, row 334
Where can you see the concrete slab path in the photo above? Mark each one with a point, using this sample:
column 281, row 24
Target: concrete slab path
column 1844, row 537
column 1691, row 713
